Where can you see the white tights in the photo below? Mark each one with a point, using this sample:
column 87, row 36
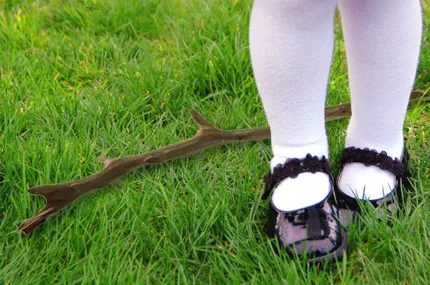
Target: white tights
column 291, row 44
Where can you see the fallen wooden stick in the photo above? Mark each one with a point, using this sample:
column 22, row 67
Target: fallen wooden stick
column 58, row 196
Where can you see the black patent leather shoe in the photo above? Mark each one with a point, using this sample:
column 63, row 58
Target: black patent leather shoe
column 350, row 208
column 313, row 231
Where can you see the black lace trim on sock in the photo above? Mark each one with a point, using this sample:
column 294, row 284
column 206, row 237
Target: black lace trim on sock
column 292, row 168
column 372, row 157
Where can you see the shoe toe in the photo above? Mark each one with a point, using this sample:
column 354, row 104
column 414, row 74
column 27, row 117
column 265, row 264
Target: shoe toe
column 313, row 232
column 318, row 247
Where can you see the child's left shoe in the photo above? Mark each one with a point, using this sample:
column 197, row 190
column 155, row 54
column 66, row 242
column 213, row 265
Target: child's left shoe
column 349, row 207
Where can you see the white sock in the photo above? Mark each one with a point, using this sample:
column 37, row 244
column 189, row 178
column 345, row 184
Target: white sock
column 291, row 44
column 382, row 39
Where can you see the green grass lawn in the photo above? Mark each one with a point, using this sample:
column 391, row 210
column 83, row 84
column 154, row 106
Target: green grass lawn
column 85, row 78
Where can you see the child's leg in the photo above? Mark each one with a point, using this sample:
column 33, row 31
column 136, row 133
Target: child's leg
column 382, row 40
column 291, row 43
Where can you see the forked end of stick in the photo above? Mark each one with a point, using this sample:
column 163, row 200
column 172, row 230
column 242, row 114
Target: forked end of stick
column 30, row 224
